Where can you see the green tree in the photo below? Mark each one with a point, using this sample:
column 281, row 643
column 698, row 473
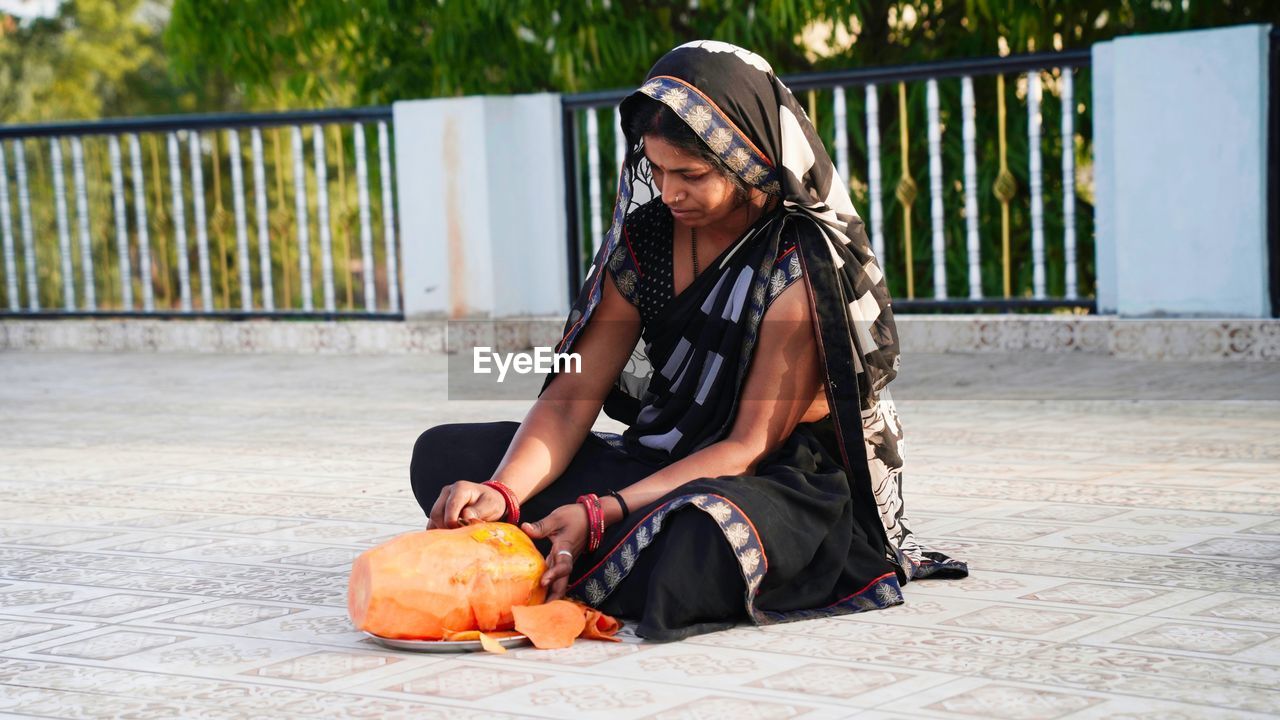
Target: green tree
column 94, row 58
column 317, row 51
column 306, row 52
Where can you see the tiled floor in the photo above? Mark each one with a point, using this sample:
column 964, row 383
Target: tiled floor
column 175, row 533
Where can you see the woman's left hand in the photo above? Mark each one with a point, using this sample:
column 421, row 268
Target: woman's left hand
column 566, row 527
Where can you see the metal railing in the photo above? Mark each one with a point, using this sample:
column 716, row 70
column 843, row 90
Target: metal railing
column 142, row 239
column 1027, row 255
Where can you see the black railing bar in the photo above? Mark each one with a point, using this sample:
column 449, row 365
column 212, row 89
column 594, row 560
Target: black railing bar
column 869, row 75
column 174, row 315
column 206, row 121
column 942, row 69
column 572, row 183
column 997, row 304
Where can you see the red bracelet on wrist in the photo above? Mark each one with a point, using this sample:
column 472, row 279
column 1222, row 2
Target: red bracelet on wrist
column 595, row 520
column 513, row 506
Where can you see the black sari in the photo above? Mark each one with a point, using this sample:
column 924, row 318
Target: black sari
column 825, row 511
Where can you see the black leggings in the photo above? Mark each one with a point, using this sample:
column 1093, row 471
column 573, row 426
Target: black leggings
column 688, row 581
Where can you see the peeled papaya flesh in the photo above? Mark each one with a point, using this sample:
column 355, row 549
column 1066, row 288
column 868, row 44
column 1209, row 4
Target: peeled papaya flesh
column 431, row 584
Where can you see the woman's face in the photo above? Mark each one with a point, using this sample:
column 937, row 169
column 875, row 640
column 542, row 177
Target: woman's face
column 697, row 193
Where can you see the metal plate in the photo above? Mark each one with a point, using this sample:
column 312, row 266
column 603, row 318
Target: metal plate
column 446, row 646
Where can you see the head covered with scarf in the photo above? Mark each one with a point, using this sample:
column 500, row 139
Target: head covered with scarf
column 732, row 100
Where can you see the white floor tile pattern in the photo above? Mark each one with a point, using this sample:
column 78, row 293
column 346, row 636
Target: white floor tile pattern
column 175, row 532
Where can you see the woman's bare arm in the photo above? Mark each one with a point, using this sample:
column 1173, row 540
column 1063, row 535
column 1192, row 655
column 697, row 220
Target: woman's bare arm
column 554, row 428
column 785, row 376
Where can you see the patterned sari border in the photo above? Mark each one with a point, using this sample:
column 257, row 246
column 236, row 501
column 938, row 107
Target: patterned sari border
column 715, row 129
column 868, row 586
column 626, row 238
column 600, row 581
column 883, row 592
column 664, row 508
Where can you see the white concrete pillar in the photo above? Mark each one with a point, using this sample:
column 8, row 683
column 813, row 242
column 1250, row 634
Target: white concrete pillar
column 480, row 193
column 1180, row 133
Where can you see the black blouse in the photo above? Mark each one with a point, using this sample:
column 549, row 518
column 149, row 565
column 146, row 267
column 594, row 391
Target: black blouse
column 642, row 266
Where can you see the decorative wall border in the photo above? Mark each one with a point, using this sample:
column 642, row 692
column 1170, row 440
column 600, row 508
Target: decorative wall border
column 1137, row 339
column 1177, row 339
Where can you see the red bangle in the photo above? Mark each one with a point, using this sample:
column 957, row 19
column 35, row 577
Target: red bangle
column 595, row 520
column 513, row 506
column 599, row 519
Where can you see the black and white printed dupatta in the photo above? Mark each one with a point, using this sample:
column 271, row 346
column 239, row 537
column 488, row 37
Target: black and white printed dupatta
column 733, row 100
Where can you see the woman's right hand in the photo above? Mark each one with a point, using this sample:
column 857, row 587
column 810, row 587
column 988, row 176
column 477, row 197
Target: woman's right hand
column 463, row 503
column 566, row 528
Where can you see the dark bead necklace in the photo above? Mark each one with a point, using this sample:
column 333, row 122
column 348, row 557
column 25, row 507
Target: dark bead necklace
column 694, row 245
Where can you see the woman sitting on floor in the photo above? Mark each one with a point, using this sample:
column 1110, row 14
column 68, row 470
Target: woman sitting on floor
column 760, row 477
